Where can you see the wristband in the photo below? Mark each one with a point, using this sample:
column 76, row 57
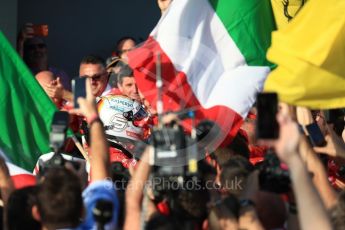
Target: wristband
column 91, row 118
column 94, row 121
column 94, row 118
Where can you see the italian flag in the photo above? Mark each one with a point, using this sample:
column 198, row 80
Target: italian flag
column 26, row 112
column 213, row 55
column 20, row 177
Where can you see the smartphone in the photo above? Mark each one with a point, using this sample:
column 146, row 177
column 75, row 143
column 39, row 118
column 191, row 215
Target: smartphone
column 267, row 126
column 315, row 135
column 40, row 30
column 79, row 89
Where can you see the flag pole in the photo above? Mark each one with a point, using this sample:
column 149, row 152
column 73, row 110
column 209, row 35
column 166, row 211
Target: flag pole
column 80, row 148
column 159, row 85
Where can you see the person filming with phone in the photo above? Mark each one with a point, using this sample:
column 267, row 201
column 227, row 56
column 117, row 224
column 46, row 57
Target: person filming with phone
column 33, row 49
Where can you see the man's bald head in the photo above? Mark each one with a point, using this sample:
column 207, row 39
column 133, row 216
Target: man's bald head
column 45, row 77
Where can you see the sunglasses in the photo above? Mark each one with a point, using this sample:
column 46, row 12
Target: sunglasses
column 96, row 77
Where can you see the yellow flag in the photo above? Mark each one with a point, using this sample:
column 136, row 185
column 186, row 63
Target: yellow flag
column 310, row 54
column 285, row 10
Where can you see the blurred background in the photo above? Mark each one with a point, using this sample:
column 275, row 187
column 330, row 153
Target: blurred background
column 80, row 27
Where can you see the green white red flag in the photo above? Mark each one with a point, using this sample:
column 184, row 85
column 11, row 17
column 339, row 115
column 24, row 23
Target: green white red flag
column 26, row 111
column 213, row 55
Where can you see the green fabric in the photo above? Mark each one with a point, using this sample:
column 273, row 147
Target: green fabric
column 26, row 111
column 249, row 24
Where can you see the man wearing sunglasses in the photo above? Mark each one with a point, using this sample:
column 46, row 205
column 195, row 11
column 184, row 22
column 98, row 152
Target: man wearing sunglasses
column 93, row 67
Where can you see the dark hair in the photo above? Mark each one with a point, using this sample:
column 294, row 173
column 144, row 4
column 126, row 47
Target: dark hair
column 233, row 178
column 238, row 161
column 271, row 210
column 93, row 59
column 229, row 207
column 206, row 170
column 161, row 222
column 124, row 71
column 239, row 145
column 59, row 201
column 19, row 208
column 190, row 205
column 121, row 41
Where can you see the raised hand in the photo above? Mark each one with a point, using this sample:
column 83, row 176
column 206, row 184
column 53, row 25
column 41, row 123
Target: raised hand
column 335, row 146
column 87, row 106
column 286, row 146
column 55, row 89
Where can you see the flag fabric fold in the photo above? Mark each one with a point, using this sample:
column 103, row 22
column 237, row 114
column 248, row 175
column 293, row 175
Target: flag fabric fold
column 310, row 54
column 26, row 111
column 20, row 177
column 212, row 55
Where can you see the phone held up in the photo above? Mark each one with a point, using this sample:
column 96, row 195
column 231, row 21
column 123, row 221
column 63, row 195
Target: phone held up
column 267, row 126
column 79, row 89
column 315, row 135
column 40, row 30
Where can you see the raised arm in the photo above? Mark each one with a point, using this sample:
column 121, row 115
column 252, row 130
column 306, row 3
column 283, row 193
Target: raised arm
column 313, row 163
column 311, row 210
column 320, row 177
column 135, row 192
column 99, row 161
